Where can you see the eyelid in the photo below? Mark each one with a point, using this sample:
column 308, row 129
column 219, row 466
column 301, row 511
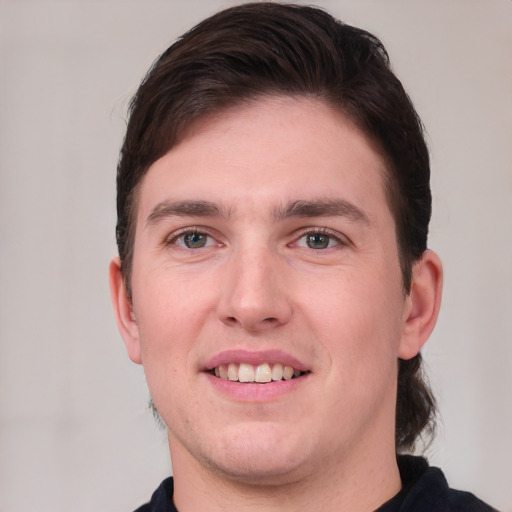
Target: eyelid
column 189, row 230
column 171, row 239
column 336, row 235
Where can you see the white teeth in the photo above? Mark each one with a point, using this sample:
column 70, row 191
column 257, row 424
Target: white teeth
column 261, row 373
column 223, row 372
column 245, row 373
column 277, row 372
column 233, row 371
column 287, row 372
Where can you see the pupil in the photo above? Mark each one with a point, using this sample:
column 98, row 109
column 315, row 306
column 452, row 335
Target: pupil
column 317, row 241
column 195, row 240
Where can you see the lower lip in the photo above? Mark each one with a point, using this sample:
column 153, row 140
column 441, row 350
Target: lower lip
column 254, row 392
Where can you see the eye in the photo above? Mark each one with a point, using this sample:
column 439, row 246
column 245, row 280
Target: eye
column 193, row 240
column 318, row 240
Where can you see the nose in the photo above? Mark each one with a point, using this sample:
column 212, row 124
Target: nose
column 253, row 294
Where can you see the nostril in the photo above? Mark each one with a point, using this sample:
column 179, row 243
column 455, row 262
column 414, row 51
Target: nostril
column 234, row 321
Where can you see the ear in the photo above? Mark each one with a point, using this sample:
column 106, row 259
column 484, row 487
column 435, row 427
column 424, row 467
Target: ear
column 125, row 318
column 423, row 304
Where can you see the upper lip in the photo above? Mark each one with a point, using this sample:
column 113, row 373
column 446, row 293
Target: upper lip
column 256, row 358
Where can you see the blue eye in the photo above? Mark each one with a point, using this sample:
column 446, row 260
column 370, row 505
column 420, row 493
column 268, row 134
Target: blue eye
column 193, row 240
column 317, row 241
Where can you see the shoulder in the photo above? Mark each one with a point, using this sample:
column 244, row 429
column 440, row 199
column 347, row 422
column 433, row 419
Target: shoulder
column 161, row 500
column 428, row 490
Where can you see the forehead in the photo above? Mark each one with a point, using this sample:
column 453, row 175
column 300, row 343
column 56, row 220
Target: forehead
column 299, row 146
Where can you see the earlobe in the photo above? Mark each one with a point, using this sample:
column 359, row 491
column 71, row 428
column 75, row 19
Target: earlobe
column 125, row 318
column 423, row 304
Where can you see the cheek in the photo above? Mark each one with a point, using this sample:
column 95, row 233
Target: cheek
column 171, row 309
column 168, row 330
column 358, row 319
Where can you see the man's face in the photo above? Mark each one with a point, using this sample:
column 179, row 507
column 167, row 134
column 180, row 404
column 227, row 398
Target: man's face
column 265, row 246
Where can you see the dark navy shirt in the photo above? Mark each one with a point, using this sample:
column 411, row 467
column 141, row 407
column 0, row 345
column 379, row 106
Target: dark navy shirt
column 424, row 489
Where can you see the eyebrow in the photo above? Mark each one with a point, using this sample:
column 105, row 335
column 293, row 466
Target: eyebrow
column 299, row 208
column 185, row 209
column 321, row 208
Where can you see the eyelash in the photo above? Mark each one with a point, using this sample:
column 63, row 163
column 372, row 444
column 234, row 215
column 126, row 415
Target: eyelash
column 173, row 239
column 340, row 241
column 181, row 234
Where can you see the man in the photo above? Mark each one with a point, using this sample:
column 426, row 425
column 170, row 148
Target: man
column 273, row 275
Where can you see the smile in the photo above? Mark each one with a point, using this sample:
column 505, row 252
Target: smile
column 261, row 373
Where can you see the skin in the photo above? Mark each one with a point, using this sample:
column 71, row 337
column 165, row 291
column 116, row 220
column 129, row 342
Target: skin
column 321, row 285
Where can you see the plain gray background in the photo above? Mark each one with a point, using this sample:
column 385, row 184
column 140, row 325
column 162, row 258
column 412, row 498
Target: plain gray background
column 75, row 432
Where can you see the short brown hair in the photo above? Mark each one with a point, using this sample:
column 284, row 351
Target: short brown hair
column 262, row 49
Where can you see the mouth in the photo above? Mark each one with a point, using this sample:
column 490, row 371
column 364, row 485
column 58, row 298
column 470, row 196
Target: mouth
column 256, row 374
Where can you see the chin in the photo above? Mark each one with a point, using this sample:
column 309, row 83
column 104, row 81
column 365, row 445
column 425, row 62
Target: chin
column 262, row 473
column 260, row 456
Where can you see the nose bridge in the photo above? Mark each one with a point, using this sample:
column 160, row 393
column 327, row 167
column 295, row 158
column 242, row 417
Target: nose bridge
column 254, row 296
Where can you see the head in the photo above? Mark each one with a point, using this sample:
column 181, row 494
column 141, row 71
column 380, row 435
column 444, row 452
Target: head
column 257, row 51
